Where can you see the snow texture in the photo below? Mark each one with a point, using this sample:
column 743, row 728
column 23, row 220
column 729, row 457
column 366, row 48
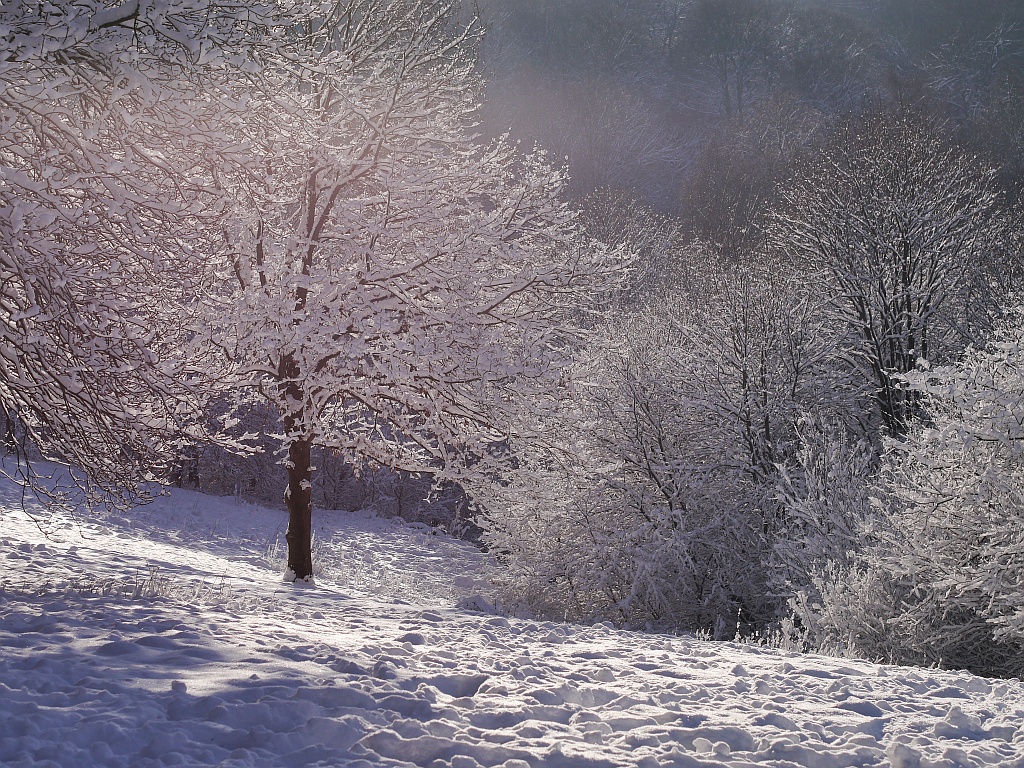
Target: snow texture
column 168, row 638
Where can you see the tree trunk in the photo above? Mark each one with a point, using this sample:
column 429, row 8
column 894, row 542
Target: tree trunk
column 298, row 494
column 298, row 498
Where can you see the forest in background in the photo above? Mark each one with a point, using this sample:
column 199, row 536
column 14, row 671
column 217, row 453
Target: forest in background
column 749, row 366
column 698, row 109
column 810, row 390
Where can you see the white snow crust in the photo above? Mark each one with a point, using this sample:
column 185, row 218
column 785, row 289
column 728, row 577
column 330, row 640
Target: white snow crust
column 166, row 637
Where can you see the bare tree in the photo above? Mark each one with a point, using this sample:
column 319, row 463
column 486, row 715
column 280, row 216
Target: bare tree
column 730, row 39
column 903, row 231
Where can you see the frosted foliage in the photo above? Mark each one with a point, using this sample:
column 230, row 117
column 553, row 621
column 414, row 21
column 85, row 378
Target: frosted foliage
column 948, row 549
column 398, row 290
column 825, row 496
column 654, row 240
column 658, row 504
column 107, row 127
column 905, row 233
column 618, row 523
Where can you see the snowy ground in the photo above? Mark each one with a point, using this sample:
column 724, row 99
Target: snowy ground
column 376, row 665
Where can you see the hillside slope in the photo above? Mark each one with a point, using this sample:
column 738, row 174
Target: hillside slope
column 166, row 637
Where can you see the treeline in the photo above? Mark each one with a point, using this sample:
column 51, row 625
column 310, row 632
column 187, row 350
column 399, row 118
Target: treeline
column 697, row 106
column 801, row 421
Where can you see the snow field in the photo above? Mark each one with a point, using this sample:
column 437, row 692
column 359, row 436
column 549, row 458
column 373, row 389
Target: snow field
column 167, row 638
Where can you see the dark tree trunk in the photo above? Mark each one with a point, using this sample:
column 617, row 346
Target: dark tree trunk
column 298, row 494
column 300, row 510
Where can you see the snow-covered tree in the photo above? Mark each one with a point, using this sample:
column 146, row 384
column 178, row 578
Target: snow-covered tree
column 653, row 240
column 108, row 125
column 903, row 228
column 619, row 517
column 948, row 552
column 399, row 291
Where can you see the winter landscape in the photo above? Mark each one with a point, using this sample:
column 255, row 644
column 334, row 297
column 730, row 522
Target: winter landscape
column 165, row 637
column 516, row 383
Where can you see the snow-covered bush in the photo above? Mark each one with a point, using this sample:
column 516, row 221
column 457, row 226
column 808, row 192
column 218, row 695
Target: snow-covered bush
column 942, row 580
column 844, row 611
column 825, row 498
column 659, row 506
column 623, row 520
